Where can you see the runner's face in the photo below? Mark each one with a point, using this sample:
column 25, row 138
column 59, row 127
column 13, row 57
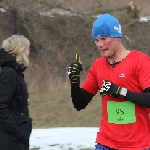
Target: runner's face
column 107, row 46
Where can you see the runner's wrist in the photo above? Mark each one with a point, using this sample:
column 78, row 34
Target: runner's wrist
column 119, row 92
column 123, row 92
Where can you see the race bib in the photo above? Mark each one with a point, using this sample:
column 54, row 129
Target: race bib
column 121, row 112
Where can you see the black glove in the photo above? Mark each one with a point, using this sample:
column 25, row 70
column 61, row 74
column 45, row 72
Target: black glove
column 109, row 88
column 73, row 71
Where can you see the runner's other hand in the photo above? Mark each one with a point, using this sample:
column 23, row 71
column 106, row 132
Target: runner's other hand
column 109, row 88
column 73, row 71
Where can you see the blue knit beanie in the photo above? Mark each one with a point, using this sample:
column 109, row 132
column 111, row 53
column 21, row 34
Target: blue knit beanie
column 106, row 25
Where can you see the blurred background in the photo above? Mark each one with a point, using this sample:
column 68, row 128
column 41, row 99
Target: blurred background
column 57, row 30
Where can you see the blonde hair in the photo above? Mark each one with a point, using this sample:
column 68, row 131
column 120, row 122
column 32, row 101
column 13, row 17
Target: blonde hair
column 15, row 45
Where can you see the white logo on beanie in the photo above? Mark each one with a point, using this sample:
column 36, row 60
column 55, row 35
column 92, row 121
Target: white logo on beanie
column 118, row 28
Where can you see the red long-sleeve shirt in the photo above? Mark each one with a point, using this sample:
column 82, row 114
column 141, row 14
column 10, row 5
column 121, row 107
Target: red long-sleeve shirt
column 132, row 73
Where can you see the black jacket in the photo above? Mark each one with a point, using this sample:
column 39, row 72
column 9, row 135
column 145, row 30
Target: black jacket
column 14, row 113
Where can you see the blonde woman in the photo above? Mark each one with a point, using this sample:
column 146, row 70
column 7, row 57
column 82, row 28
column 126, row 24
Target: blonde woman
column 15, row 123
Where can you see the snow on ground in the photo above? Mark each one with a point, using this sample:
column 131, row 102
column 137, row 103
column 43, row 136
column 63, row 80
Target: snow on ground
column 59, row 11
column 64, row 138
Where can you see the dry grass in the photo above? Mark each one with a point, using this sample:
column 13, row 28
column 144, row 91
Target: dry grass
column 35, row 148
column 55, row 109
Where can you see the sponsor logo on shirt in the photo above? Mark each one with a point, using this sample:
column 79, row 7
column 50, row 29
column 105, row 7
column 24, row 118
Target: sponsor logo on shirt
column 122, row 75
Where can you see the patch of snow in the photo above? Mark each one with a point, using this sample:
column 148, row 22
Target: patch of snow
column 2, row 10
column 52, row 12
column 58, row 11
column 64, row 138
column 144, row 19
